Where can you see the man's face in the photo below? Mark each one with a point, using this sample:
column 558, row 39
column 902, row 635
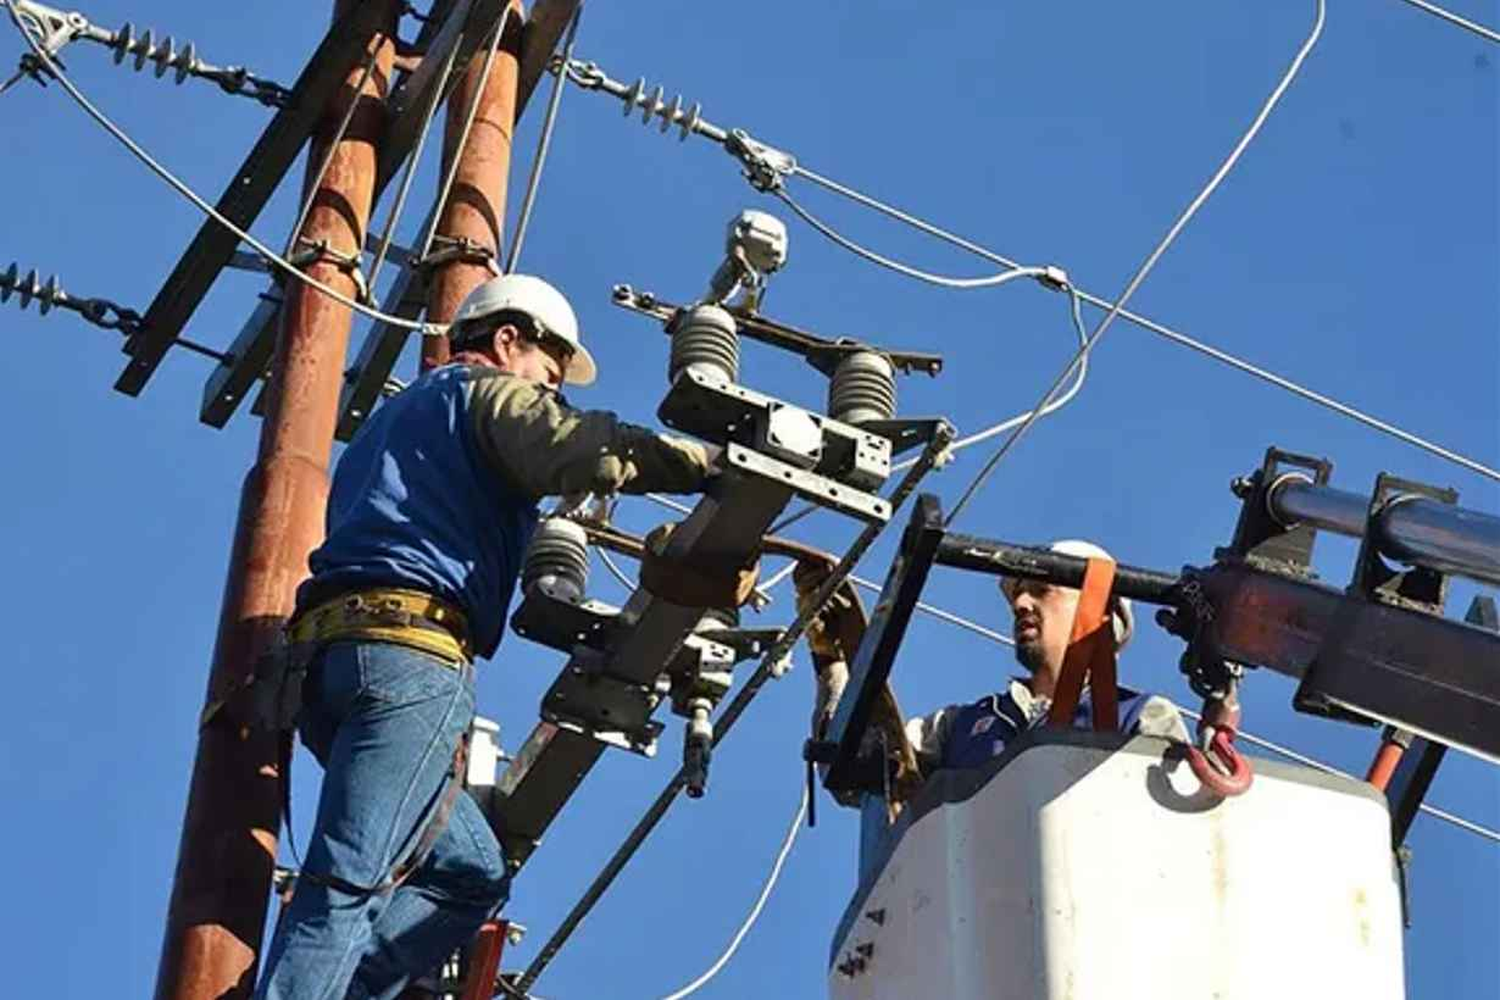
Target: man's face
column 527, row 359
column 1043, row 623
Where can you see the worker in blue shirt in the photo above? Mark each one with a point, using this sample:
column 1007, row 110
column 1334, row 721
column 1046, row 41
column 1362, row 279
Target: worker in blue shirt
column 965, row 736
column 431, row 509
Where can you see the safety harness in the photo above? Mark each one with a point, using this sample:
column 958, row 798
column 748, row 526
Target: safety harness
column 272, row 696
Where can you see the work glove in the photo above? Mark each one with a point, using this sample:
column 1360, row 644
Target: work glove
column 697, row 585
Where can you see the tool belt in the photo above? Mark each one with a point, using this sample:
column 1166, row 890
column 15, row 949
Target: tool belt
column 386, row 614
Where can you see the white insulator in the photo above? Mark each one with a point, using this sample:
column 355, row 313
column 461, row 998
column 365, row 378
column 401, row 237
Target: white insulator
column 863, row 388
column 705, row 339
column 558, row 558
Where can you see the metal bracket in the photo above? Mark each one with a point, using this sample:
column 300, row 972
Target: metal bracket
column 811, row 486
column 822, row 353
column 1418, row 588
column 308, row 252
column 586, row 699
column 725, row 413
column 765, row 166
column 1259, row 538
column 882, row 639
column 446, row 249
column 550, row 619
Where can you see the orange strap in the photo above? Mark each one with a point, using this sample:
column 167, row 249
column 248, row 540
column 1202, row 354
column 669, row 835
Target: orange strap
column 1091, row 654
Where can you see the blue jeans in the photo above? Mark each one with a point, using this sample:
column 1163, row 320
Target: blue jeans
column 384, row 721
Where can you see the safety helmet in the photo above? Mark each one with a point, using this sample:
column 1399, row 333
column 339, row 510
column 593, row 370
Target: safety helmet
column 545, row 306
column 1124, row 615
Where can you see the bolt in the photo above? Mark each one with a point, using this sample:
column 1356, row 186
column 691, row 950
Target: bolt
column 1242, row 486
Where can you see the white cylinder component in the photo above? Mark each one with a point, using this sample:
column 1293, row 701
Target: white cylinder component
column 559, row 558
column 863, row 388
column 706, row 339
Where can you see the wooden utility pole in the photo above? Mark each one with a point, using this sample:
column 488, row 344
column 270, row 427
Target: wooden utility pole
column 228, row 850
column 474, row 216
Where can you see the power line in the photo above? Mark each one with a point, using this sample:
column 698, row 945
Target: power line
column 172, row 181
column 1452, row 18
column 1160, row 329
column 760, row 903
column 1153, row 257
column 543, row 144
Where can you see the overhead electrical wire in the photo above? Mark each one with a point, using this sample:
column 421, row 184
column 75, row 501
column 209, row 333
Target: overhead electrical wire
column 760, row 903
column 544, row 142
column 1452, row 18
column 463, row 136
column 172, row 181
column 1145, row 268
column 1161, row 329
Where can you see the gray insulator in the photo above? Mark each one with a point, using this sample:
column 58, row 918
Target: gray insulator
column 863, row 388
column 559, row 558
column 705, row 339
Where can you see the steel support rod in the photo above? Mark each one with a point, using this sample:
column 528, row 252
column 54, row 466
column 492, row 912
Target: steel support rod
column 228, row 846
column 474, row 214
column 1413, row 530
column 1003, row 559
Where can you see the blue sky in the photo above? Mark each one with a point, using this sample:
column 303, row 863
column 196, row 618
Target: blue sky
column 1355, row 249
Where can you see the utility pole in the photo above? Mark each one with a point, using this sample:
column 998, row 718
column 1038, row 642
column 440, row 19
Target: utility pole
column 222, row 884
column 474, row 216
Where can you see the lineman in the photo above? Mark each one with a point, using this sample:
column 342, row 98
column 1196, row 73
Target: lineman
column 965, row 736
column 430, row 512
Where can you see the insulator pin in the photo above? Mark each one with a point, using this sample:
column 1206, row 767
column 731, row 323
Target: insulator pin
column 863, row 388
column 558, row 558
column 705, row 339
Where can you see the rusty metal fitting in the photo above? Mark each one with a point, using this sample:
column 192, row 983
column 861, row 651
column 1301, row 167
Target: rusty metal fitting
column 446, row 249
column 306, row 252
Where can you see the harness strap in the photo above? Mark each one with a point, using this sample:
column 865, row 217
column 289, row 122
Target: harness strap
column 1091, row 655
column 433, row 825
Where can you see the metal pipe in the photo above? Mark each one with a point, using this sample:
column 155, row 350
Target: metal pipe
column 1412, row 529
column 1003, row 559
column 475, row 210
column 228, row 847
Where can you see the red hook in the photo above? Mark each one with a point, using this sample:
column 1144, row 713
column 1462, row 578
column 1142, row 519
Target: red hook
column 1225, row 773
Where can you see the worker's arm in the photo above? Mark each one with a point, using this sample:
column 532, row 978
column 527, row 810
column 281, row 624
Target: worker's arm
column 545, row 448
column 929, row 735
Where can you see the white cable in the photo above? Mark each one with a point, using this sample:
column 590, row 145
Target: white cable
column 1452, row 18
column 765, row 893
column 943, row 281
column 1145, row 268
column 1280, row 382
column 426, row 329
column 615, row 571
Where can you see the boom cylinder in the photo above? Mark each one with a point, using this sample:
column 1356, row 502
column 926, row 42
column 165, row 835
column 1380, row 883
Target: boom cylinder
column 1411, row 529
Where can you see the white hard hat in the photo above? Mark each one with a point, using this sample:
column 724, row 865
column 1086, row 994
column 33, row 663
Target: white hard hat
column 544, row 304
column 1124, row 615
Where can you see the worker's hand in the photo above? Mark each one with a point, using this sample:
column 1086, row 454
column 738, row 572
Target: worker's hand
column 693, row 586
column 826, row 630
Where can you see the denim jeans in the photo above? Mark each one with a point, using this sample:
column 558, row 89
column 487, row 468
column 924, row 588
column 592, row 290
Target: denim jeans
column 384, row 721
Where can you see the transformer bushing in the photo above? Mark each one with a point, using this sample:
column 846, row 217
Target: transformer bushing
column 705, row 339
column 863, row 388
column 558, row 559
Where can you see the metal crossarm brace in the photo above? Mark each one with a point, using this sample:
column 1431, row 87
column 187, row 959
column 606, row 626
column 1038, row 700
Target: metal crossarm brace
column 382, row 346
column 247, row 194
column 465, row 26
column 882, row 639
column 725, row 528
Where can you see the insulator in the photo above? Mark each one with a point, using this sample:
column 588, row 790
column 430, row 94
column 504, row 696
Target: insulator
column 705, row 339
column 558, row 558
column 654, row 104
column 47, row 294
column 863, row 388
column 146, row 49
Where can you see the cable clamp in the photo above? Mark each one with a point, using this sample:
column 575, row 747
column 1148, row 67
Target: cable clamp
column 447, row 249
column 765, row 166
column 1055, row 278
column 306, row 252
